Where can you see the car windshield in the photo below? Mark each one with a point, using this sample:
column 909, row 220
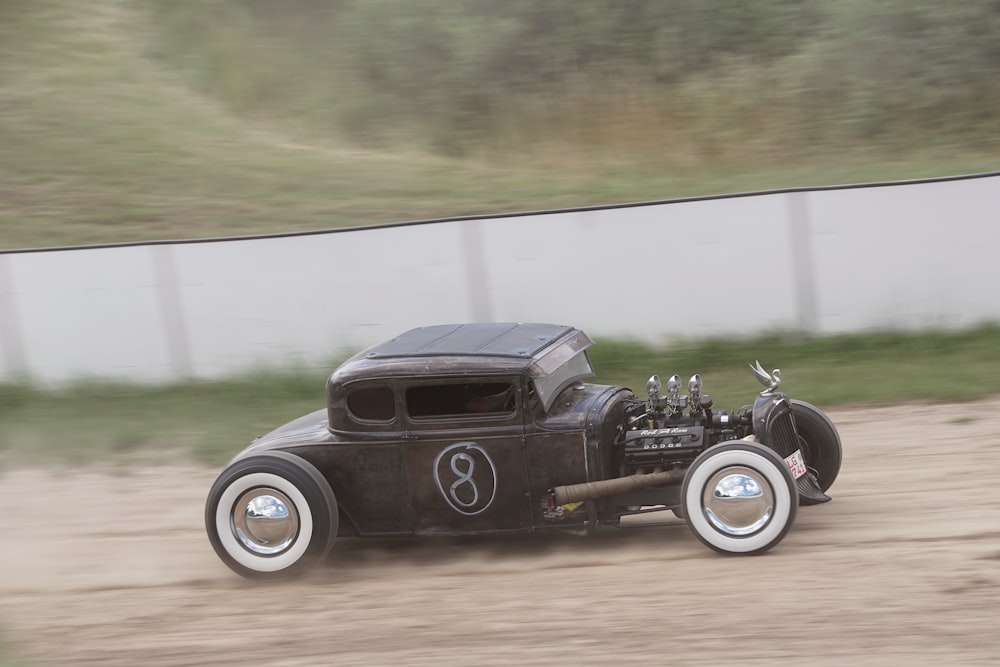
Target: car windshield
column 573, row 369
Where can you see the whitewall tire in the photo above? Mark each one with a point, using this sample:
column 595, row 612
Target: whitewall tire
column 739, row 497
column 271, row 514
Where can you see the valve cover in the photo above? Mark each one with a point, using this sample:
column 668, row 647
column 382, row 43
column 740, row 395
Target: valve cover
column 658, row 446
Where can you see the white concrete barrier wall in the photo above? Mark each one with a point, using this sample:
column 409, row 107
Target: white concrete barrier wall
column 901, row 256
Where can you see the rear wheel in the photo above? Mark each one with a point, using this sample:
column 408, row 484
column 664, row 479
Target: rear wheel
column 271, row 514
column 819, row 441
column 739, row 497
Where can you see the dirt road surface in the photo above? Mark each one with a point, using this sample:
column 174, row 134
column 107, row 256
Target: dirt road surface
column 903, row 567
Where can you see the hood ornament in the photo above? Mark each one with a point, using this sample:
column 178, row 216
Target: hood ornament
column 771, row 381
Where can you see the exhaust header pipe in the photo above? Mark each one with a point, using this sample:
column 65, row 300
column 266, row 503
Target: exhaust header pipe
column 574, row 493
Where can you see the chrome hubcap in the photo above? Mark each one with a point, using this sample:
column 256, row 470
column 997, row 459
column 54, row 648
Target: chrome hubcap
column 738, row 501
column 265, row 521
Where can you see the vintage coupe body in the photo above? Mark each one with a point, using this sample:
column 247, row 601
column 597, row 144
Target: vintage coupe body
column 491, row 428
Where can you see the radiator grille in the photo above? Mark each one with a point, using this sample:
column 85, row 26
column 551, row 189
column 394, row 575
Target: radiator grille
column 780, row 434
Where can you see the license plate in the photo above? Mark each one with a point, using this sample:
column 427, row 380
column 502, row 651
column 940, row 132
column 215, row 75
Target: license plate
column 796, row 463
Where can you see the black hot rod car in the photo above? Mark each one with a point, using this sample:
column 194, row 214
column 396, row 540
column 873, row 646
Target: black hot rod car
column 489, row 428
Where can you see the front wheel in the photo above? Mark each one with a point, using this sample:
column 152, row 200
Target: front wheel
column 271, row 514
column 819, row 442
column 739, row 497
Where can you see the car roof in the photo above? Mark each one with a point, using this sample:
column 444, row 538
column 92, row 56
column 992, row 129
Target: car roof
column 461, row 349
column 500, row 339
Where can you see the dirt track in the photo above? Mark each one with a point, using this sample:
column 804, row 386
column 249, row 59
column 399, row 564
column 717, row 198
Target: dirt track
column 903, row 567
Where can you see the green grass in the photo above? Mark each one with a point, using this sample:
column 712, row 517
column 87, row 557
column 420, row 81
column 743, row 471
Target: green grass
column 106, row 140
column 881, row 367
column 207, row 422
column 203, row 421
column 8, row 656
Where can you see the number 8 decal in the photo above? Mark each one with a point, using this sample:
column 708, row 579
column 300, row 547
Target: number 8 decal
column 466, row 477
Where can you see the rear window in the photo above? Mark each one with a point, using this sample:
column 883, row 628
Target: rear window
column 466, row 398
column 372, row 404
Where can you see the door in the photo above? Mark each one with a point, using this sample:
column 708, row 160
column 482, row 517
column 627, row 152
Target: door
column 465, row 457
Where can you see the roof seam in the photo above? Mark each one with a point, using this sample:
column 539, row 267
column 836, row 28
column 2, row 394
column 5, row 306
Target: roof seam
column 441, row 338
column 496, row 338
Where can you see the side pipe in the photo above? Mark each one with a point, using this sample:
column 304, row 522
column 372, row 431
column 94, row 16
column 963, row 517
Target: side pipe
column 574, row 493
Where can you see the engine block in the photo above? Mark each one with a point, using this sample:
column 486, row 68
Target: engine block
column 652, row 448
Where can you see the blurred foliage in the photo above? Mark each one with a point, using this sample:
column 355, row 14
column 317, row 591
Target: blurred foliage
column 209, row 421
column 662, row 76
column 9, row 657
column 132, row 120
column 850, row 369
column 95, row 422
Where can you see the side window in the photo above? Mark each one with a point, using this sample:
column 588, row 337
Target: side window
column 372, row 404
column 466, row 398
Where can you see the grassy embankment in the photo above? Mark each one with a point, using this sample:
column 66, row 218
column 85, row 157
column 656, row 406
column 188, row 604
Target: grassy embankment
column 136, row 120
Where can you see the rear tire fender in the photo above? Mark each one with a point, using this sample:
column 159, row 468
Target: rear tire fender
column 294, row 496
